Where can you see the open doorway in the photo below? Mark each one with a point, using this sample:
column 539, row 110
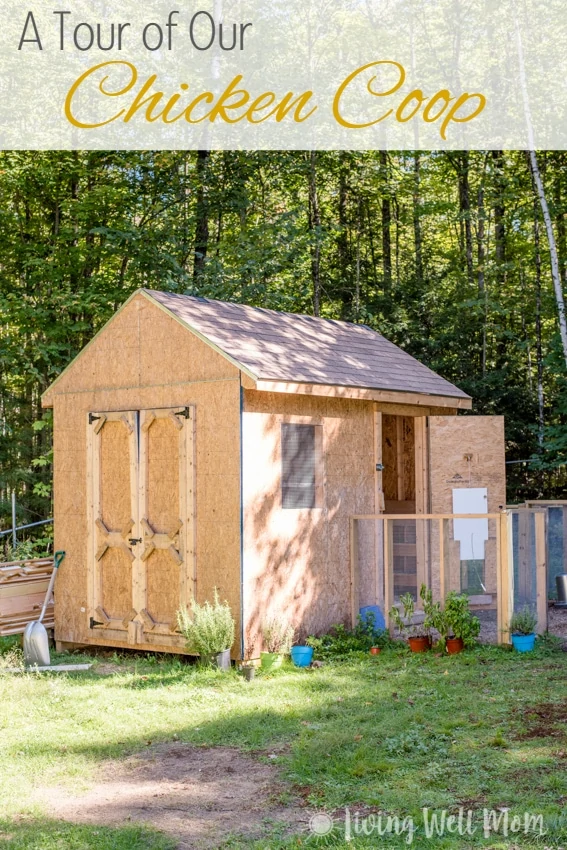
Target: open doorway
column 399, row 488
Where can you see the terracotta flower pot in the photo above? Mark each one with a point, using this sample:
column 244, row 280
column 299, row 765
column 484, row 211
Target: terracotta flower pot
column 375, row 650
column 418, row 644
column 455, row 645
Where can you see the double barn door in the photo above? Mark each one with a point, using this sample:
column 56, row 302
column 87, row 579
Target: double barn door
column 141, row 524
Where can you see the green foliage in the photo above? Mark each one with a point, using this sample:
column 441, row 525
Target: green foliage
column 418, row 740
column 523, row 622
column 341, row 642
column 431, row 609
column 39, row 546
column 403, row 620
column 278, row 635
column 456, row 620
column 81, row 230
column 210, row 630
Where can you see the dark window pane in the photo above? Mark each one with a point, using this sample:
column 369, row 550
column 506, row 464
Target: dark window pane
column 298, row 466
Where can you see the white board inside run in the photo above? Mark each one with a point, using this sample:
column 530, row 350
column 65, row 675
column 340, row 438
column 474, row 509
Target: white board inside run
column 472, row 534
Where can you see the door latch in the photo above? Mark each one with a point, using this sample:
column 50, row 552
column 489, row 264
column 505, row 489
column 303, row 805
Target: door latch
column 133, row 540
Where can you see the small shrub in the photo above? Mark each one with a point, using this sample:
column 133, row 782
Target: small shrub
column 523, row 622
column 210, row 630
column 12, row 658
column 341, row 642
column 278, row 635
column 456, row 620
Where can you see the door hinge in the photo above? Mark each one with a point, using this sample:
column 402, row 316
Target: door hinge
column 94, row 623
column 93, row 418
column 186, row 413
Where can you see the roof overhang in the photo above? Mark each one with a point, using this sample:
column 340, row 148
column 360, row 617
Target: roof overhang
column 363, row 394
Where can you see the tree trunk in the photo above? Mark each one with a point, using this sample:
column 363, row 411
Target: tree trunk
column 539, row 355
column 536, row 176
column 465, row 212
column 386, row 224
column 481, row 281
column 416, row 218
column 534, row 168
column 201, row 243
column 315, row 228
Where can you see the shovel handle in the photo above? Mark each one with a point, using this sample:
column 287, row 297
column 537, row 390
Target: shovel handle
column 57, row 559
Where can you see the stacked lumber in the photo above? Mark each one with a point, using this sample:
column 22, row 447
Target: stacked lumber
column 23, row 585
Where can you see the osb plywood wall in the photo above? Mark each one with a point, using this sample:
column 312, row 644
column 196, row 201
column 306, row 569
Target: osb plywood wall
column 296, row 562
column 466, row 451
column 145, row 359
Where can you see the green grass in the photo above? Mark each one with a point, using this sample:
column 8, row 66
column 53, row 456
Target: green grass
column 393, row 732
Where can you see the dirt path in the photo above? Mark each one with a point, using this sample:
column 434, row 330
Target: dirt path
column 199, row 796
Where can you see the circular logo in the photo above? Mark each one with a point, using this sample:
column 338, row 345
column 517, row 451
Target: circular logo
column 321, row 824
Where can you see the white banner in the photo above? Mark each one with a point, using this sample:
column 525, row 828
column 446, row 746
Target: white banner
column 267, row 74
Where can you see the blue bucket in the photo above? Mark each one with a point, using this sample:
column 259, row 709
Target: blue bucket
column 523, row 643
column 379, row 621
column 302, row 656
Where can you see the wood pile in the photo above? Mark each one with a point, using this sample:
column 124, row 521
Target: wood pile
column 23, row 585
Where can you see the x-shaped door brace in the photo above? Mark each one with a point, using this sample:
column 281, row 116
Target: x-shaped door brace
column 154, row 540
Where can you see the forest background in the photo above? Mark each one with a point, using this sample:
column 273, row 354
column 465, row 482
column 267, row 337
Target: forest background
column 445, row 253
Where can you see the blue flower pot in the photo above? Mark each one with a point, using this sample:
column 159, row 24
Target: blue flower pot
column 523, row 643
column 379, row 621
column 302, row 656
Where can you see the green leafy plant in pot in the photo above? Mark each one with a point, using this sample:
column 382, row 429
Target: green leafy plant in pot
column 431, row 610
column 457, row 626
column 208, row 631
column 277, row 636
column 416, row 635
column 522, row 627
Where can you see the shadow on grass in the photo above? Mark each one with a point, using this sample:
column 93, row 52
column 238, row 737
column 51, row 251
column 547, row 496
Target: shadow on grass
column 47, row 834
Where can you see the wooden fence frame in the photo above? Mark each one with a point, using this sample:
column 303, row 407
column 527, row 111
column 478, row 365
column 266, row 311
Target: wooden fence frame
column 504, row 562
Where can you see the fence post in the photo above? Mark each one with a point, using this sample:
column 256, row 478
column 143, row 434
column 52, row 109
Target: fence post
column 541, row 570
column 354, row 570
column 505, row 578
column 14, row 535
column 388, row 570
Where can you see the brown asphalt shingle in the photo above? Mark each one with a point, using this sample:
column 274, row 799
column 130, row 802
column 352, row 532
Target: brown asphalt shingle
column 287, row 347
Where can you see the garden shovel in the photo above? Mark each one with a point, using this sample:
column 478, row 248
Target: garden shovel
column 36, row 642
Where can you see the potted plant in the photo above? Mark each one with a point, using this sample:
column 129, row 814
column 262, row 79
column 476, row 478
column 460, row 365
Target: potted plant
column 278, row 637
column 416, row 637
column 431, row 610
column 457, row 626
column 209, row 632
column 522, row 627
column 248, row 670
column 302, row 655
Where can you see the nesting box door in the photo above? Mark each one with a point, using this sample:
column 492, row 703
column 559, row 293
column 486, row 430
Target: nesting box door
column 166, row 521
column 141, row 520
column 113, row 520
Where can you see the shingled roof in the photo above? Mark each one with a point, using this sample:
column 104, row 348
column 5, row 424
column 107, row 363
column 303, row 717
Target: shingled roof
column 286, row 347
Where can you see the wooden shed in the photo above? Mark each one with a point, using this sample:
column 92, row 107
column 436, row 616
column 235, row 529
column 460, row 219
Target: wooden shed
column 202, row 444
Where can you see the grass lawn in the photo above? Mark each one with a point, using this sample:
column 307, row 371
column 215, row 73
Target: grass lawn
column 390, row 734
